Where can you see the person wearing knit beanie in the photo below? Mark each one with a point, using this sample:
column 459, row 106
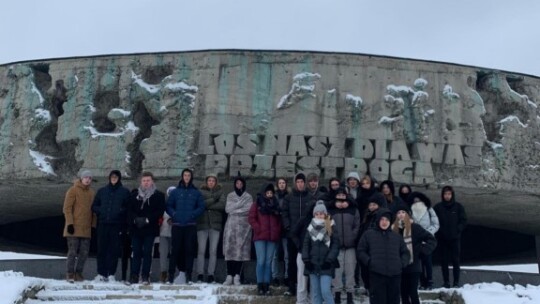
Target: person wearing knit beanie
column 319, row 207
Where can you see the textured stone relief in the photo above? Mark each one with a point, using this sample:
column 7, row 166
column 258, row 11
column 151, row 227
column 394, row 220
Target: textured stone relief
column 227, row 113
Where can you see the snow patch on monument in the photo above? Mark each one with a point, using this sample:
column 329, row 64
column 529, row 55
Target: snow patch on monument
column 41, row 161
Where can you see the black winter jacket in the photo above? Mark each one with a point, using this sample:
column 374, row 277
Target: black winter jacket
column 152, row 209
column 296, row 206
column 111, row 204
column 317, row 253
column 383, row 251
column 347, row 224
column 423, row 243
column 452, row 220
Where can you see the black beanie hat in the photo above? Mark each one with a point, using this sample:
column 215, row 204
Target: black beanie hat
column 340, row 190
column 378, row 198
column 301, row 176
column 404, row 208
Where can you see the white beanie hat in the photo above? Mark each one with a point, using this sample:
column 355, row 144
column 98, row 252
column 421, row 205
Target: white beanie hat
column 319, row 207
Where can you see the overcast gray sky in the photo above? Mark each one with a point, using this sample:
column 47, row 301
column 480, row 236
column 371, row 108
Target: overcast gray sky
column 499, row 34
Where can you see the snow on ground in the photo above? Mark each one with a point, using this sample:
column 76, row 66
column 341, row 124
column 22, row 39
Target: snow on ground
column 526, row 268
column 12, row 285
column 7, row 255
column 489, row 293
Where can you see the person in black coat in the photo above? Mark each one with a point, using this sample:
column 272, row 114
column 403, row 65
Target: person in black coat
column 388, row 190
column 385, row 254
column 111, row 207
column 296, row 206
column 319, row 254
column 370, row 221
column 419, row 242
column 147, row 205
column 452, row 221
column 347, row 219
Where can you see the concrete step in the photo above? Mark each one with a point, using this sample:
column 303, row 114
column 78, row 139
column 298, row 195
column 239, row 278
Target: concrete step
column 116, row 292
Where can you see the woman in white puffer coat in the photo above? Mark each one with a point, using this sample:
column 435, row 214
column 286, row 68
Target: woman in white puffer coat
column 424, row 215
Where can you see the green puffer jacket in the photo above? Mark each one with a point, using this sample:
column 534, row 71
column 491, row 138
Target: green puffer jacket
column 214, row 200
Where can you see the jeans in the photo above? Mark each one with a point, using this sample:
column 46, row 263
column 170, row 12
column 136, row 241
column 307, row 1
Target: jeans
column 321, row 289
column 77, row 254
column 203, row 236
column 108, row 247
column 265, row 254
column 142, row 251
column 281, row 246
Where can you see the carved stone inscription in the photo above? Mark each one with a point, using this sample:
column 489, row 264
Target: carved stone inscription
column 285, row 155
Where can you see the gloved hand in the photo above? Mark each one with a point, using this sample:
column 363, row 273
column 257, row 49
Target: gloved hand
column 141, row 222
column 326, row 265
column 309, row 266
column 70, row 229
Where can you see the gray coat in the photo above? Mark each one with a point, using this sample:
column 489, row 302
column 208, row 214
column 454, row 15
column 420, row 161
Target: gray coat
column 237, row 232
column 347, row 224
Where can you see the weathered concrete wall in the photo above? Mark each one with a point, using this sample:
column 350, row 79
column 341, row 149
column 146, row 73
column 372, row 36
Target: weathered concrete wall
column 270, row 114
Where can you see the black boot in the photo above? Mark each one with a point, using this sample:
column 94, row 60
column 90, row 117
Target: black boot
column 337, row 297
column 267, row 289
column 260, row 289
column 350, row 298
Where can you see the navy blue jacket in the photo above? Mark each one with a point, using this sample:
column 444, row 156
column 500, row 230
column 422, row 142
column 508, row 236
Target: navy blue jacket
column 185, row 205
column 111, row 204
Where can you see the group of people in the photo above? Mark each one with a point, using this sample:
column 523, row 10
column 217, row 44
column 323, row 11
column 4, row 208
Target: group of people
column 320, row 232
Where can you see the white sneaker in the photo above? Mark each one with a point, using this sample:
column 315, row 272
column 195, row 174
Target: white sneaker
column 237, row 280
column 100, row 278
column 180, row 279
column 228, row 281
column 111, row 279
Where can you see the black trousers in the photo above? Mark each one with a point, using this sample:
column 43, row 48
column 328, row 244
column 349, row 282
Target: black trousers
column 126, row 253
column 293, row 269
column 384, row 289
column 108, row 248
column 184, row 245
column 409, row 288
column 450, row 251
column 234, row 267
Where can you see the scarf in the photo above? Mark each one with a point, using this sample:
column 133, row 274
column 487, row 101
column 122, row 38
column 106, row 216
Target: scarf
column 266, row 205
column 145, row 194
column 317, row 231
column 406, row 233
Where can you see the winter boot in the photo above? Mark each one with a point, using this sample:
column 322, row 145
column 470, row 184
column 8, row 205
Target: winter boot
column 163, row 277
column 267, row 290
column 228, row 280
column 260, row 289
column 70, row 277
column 210, row 279
column 78, row 277
column 134, row 279
column 350, row 298
column 337, row 297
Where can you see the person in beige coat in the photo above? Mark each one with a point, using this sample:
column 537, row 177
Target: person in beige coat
column 79, row 222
